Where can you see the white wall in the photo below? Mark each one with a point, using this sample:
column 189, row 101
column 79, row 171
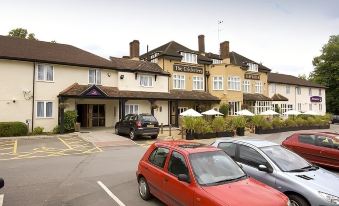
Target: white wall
column 131, row 84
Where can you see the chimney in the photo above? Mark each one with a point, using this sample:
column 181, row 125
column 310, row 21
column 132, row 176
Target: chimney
column 225, row 50
column 201, row 43
column 134, row 49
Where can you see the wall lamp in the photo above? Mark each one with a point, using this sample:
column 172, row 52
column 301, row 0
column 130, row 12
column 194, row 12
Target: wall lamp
column 122, row 76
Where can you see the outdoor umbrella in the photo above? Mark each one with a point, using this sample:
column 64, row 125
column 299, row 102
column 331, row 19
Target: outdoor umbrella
column 311, row 113
column 211, row 112
column 190, row 113
column 244, row 112
column 269, row 112
column 292, row 112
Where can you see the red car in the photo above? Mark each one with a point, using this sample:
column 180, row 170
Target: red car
column 318, row 147
column 190, row 174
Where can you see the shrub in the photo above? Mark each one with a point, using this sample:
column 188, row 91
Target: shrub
column 224, row 109
column 289, row 122
column 239, row 122
column 300, row 122
column 218, row 124
column 228, row 124
column 70, row 119
column 267, row 125
column 38, row 130
column 277, row 122
column 56, row 129
column 311, row 121
column 258, row 120
column 9, row 129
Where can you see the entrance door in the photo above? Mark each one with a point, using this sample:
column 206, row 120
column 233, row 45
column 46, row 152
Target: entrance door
column 82, row 111
column 98, row 115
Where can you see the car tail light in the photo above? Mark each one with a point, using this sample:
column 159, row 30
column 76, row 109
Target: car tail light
column 138, row 123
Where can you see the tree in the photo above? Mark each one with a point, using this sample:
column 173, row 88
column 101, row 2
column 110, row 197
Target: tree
column 224, row 109
column 326, row 72
column 302, row 76
column 22, row 33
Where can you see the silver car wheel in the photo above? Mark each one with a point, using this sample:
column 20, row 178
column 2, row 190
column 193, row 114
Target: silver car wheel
column 142, row 188
column 294, row 203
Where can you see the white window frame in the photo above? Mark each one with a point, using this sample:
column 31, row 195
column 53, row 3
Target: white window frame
column 310, row 91
column 198, row 81
column 299, row 107
column 179, row 81
column 288, row 89
column 218, row 80
column 44, row 116
column 262, row 106
column 246, row 86
column 273, row 88
column 148, row 80
column 233, row 83
column 298, row 90
column 96, row 79
column 320, row 107
column 182, row 109
column 44, row 67
column 234, row 106
column 189, row 57
column 134, row 108
column 216, row 61
column 154, row 58
column 252, row 67
column 258, row 87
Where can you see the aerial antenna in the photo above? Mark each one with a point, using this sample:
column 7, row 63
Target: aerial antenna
column 219, row 22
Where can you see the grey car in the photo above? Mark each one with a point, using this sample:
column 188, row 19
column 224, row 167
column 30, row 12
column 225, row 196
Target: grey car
column 284, row 170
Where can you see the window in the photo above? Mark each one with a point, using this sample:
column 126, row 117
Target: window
column 262, row 106
column 319, row 92
column 252, row 67
column 288, row 89
column 246, row 87
column 233, row 108
column 310, row 107
column 251, row 157
column 131, row 109
column 189, row 57
column 258, row 87
column 273, row 88
column 218, row 83
column 320, row 107
column 307, row 139
column 229, row 148
column 299, row 106
column 178, row 81
column 298, row 90
column 234, row 83
column 146, row 81
column 154, row 58
column 94, row 76
column 158, row 157
column 177, row 164
column 217, row 61
column 44, row 109
column 198, row 83
column 323, row 141
column 182, row 109
column 310, row 91
column 45, row 72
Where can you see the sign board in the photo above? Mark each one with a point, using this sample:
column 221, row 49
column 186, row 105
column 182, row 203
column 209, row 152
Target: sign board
column 189, row 69
column 252, row 76
column 316, row 99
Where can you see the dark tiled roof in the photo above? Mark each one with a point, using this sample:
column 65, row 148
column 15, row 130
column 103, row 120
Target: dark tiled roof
column 213, row 56
column 255, row 97
column 77, row 90
column 46, row 52
column 135, row 66
column 289, row 79
column 240, row 60
column 173, row 49
column 279, row 97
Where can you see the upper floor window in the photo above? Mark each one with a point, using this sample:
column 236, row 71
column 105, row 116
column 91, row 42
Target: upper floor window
column 94, row 76
column 45, row 72
column 216, row 61
column 252, row 67
column 234, row 83
column 154, row 58
column 146, row 81
column 178, row 81
column 189, row 57
column 298, row 90
column 288, row 88
column 44, row 109
column 198, row 83
column 218, row 83
column 310, row 91
column 273, row 88
column 258, row 87
column 319, row 92
column 246, row 88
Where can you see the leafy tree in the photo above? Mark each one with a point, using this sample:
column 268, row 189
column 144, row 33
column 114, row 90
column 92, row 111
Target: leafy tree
column 326, row 72
column 302, row 76
column 22, row 33
column 224, row 109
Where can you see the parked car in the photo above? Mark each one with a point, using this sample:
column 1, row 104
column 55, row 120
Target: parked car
column 280, row 168
column 186, row 173
column 335, row 119
column 2, row 183
column 136, row 125
column 320, row 148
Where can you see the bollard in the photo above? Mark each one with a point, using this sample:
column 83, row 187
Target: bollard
column 169, row 131
column 182, row 132
column 161, row 128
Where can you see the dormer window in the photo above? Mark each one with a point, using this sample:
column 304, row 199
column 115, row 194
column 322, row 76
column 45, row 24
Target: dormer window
column 217, row 61
column 252, row 67
column 189, row 57
column 154, row 58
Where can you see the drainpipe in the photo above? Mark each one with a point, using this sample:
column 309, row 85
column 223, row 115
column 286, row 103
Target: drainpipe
column 33, row 93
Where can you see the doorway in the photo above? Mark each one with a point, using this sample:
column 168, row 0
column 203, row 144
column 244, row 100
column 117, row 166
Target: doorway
column 91, row 115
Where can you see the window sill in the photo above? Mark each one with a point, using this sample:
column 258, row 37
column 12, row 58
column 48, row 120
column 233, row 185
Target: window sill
column 146, row 86
column 197, row 89
column 45, row 81
column 218, row 89
column 42, row 118
column 234, row 90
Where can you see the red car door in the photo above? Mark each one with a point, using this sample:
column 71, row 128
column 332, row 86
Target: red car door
column 329, row 151
column 305, row 145
column 178, row 193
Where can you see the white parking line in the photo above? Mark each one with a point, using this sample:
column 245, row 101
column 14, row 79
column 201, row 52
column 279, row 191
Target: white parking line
column 115, row 198
column 1, row 199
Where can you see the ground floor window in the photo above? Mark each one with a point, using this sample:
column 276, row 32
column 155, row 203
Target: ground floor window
column 182, row 109
column 286, row 107
column 299, row 106
column 262, row 106
column 131, row 109
column 44, row 109
column 233, row 108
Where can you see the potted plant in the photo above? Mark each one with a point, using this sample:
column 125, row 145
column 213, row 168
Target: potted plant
column 258, row 122
column 239, row 123
column 218, row 126
column 188, row 126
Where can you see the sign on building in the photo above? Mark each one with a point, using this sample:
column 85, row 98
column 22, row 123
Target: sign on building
column 189, row 69
column 252, row 76
column 316, row 99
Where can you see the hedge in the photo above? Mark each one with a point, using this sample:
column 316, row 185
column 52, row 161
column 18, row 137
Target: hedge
column 10, row 129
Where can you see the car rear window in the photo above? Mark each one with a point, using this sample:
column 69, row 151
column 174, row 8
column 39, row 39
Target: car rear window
column 148, row 118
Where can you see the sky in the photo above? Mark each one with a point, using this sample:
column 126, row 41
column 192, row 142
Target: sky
column 284, row 35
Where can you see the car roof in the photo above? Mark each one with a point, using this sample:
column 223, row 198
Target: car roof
column 187, row 147
column 330, row 134
column 255, row 142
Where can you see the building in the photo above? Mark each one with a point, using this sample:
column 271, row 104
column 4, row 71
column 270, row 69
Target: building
column 290, row 92
column 40, row 80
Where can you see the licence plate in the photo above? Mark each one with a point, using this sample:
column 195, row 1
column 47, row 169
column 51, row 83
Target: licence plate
column 150, row 125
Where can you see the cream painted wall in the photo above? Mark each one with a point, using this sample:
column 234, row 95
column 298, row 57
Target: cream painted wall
column 131, row 84
column 15, row 77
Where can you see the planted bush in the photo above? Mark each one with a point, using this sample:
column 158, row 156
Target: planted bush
column 38, row 130
column 224, row 109
column 258, row 120
column 277, row 122
column 11, row 129
column 70, row 119
column 289, row 122
column 218, row 124
column 56, row 129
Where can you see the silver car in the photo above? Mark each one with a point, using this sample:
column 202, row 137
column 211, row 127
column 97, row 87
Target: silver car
column 272, row 164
